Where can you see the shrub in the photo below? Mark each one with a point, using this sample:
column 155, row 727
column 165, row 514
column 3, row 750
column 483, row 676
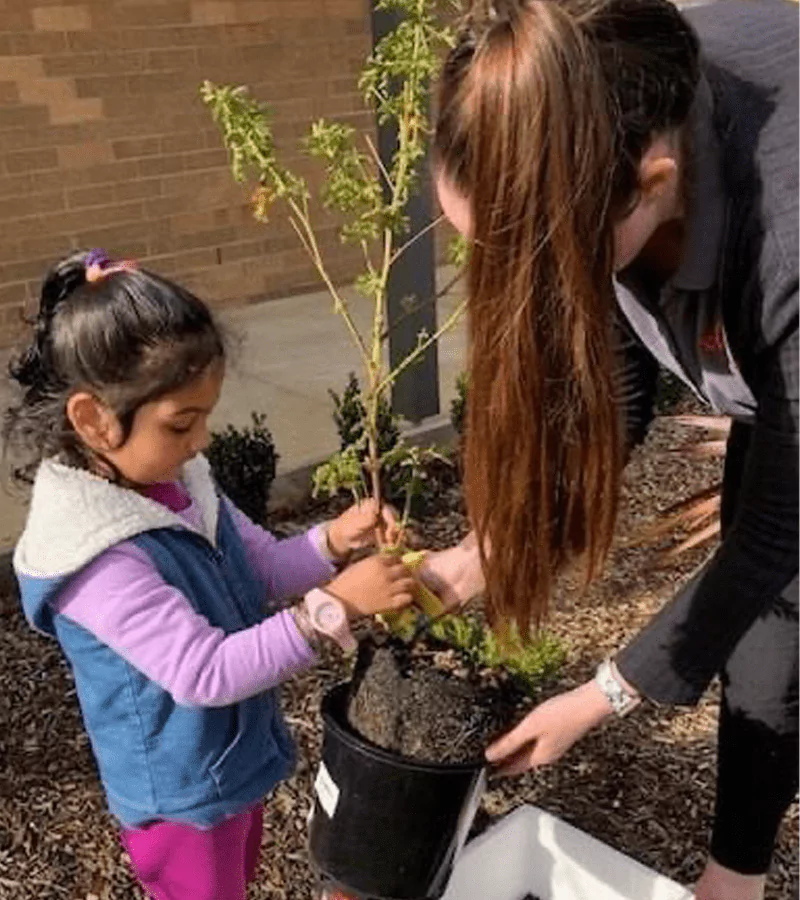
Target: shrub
column 243, row 461
column 458, row 406
column 349, row 414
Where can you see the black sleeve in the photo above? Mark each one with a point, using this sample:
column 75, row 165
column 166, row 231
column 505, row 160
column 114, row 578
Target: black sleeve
column 634, row 383
column 678, row 653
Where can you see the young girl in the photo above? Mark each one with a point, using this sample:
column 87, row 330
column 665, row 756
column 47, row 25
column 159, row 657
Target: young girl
column 635, row 160
column 167, row 601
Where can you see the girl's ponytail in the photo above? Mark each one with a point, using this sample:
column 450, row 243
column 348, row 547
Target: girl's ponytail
column 32, row 369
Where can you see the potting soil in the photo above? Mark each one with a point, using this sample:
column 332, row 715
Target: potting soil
column 405, row 703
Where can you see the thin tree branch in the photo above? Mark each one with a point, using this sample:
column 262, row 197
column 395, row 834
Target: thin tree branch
column 421, row 233
column 379, row 162
column 418, row 351
column 423, row 305
column 308, row 240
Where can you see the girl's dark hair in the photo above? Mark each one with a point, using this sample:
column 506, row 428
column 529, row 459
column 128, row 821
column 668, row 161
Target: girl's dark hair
column 545, row 110
column 129, row 336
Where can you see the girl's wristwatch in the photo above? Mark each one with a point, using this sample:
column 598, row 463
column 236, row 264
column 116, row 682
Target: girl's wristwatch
column 621, row 700
column 327, row 616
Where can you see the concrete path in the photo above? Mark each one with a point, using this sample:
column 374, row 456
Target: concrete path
column 287, row 354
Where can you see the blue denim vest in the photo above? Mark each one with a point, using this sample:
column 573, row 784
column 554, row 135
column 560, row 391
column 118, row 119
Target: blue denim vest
column 159, row 760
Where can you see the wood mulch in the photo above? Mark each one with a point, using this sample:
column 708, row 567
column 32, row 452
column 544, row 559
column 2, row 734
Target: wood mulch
column 644, row 785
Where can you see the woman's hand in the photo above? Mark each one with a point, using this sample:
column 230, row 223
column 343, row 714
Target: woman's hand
column 546, row 734
column 454, row 575
column 357, row 527
column 380, row 583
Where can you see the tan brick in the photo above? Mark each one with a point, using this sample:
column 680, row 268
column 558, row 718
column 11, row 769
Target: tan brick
column 30, row 204
column 135, row 147
column 85, row 197
column 88, row 154
column 13, row 294
column 188, row 141
column 31, row 160
column 83, row 110
column 206, row 159
column 191, row 223
column 182, row 262
column 47, row 91
column 127, row 239
column 195, row 241
column 140, row 189
column 74, row 64
column 16, row 19
column 112, row 173
column 213, row 12
column 9, row 93
column 160, row 82
column 37, row 43
column 13, row 68
column 105, row 40
column 102, row 85
column 167, row 206
column 172, row 59
column 160, row 165
column 25, row 271
column 62, row 18
column 52, row 246
column 141, row 15
column 347, row 9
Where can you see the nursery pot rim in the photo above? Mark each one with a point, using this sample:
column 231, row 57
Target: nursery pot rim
column 334, row 714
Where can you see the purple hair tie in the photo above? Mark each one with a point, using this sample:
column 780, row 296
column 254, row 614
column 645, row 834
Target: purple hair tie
column 99, row 266
column 96, row 257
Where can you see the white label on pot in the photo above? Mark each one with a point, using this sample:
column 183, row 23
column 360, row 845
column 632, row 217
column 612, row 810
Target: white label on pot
column 327, row 791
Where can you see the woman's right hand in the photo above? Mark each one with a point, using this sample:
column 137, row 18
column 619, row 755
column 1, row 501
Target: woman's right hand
column 546, row 733
column 379, row 583
column 455, row 575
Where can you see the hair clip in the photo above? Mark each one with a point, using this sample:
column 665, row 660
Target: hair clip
column 99, row 265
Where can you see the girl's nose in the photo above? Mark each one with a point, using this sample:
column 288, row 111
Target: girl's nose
column 202, row 438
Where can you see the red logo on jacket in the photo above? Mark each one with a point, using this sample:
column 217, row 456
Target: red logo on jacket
column 713, row 341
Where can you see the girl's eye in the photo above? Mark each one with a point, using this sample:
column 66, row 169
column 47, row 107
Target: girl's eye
column 180, row 429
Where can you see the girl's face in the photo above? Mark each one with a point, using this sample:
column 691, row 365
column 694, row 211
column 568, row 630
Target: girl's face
column 167, row 432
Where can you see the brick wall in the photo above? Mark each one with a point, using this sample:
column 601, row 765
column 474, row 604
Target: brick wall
column 104, row 142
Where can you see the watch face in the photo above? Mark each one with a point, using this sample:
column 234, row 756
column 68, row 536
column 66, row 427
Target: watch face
column 328, row 616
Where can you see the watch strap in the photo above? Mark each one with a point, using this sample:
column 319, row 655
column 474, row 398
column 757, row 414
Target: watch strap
column 621, row 700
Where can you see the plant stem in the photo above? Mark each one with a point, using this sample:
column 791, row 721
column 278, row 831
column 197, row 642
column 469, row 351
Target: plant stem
column 379, row 162
column 433, row 300
column 418, row 351
column 309, row 241
column 421, row 233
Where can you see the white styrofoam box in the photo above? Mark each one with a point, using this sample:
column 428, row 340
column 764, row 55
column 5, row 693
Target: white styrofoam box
column 531, row 851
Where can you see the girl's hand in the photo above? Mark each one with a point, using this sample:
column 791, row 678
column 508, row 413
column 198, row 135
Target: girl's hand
column 454, row 575
column 380, row 583
column 546, row 734
column 357, row 527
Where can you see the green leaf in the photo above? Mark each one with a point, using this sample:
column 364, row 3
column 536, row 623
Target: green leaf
column 342, row 471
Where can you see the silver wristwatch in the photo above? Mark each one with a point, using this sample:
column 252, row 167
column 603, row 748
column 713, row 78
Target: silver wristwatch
column 622, row 702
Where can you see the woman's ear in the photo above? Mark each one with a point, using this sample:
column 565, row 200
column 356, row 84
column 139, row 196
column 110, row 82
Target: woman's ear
column 657, row 176
column 95, row 424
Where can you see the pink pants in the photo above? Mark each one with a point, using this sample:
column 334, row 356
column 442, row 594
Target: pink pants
column 177, row 862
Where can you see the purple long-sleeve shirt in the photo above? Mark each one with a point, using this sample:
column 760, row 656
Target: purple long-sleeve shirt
column 122, row 599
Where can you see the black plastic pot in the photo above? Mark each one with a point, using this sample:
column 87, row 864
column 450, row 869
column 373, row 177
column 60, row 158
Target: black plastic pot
column 385, row 827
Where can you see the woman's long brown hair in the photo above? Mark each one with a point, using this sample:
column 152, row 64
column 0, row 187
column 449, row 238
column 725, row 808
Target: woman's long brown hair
column 529, row 131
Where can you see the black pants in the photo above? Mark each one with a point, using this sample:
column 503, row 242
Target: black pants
column 758, row 728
